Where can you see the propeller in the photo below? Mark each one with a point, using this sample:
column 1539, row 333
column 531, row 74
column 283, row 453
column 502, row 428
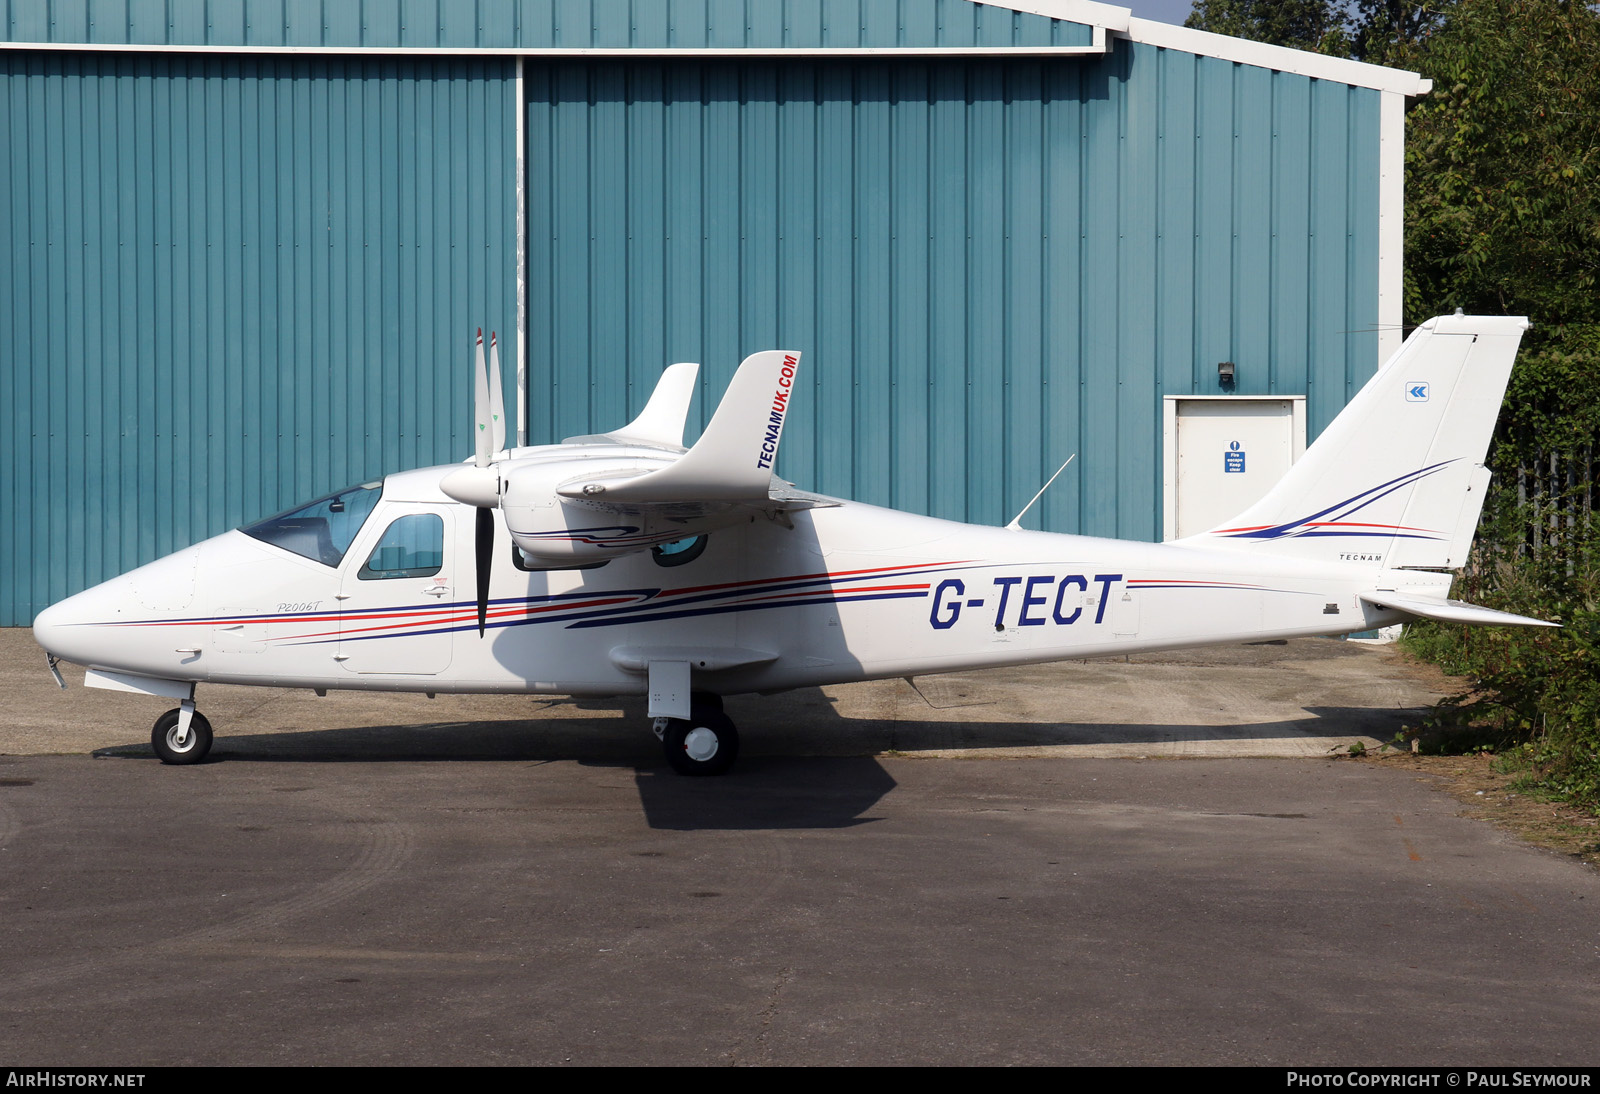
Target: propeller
column 484, row 546
column 488, row 403
column 479, row 485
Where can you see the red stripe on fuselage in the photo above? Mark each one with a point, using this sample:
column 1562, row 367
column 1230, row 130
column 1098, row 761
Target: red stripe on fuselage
column 842, row 574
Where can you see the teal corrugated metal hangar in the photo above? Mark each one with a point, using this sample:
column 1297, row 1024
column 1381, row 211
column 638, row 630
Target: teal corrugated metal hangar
column 244, row 247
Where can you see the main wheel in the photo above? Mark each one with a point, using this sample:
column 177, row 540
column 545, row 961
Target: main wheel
column 705, row 700
column 705, row 744
column 164, row 739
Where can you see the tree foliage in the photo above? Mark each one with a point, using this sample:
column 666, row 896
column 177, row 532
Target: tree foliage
column 1503, row 204
column 1503, row 209
column 1503, row 216
column 1392, row 32
column 1300, row 24
column 1382, row 32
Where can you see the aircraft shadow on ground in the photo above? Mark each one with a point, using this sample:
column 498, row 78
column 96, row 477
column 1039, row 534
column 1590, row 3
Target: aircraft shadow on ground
column 627, row 740
column 805, row 767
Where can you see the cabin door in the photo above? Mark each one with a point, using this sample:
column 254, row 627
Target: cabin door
column 400, row 604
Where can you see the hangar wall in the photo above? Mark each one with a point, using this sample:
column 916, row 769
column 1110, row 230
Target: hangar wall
column 242, row 246
column 228, row 283
column 989, row 265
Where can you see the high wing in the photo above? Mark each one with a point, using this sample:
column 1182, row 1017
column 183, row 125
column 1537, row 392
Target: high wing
column 731, row 462
column 610, row 494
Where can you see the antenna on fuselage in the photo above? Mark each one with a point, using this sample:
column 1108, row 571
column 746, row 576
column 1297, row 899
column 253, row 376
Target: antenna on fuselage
column 1016, row 522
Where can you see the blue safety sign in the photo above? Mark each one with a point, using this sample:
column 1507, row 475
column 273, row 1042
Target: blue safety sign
column 1233, row 459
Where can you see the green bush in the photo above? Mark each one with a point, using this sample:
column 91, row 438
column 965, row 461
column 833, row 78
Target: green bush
column 1539, row 687
column 1503, row 217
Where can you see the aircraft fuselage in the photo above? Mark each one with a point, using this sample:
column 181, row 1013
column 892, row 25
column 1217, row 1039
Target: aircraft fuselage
column 831, row 594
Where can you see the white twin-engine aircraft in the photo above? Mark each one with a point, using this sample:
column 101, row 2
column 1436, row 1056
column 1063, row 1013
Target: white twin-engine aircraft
column 629, row 564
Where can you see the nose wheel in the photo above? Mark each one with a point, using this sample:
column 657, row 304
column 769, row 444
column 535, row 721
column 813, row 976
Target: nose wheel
column 706, row 743
column 178, row 739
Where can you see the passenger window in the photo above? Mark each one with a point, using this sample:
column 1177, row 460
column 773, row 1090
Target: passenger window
column 412, row 546
column 679, row 551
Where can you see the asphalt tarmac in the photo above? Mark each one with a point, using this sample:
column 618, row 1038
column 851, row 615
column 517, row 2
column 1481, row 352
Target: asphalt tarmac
column 972, row 870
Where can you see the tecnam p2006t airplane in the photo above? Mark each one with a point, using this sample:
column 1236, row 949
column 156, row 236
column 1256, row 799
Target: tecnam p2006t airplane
column 629, row 564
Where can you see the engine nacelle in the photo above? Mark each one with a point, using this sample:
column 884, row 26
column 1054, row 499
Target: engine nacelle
column 553, row 531
column 562, row 534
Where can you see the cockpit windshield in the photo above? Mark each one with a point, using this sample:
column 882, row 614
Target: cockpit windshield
column 323, row 530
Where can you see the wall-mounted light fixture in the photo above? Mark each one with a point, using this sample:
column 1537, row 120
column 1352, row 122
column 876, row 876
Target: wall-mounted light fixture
column 1225, row 374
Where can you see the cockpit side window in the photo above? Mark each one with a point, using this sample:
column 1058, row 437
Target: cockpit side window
column 322, row 530
column 412, row 546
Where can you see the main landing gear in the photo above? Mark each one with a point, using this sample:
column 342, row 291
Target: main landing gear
column 181, row 735
column 705, row 744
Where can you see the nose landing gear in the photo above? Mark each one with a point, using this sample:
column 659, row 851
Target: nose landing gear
column 181, row 735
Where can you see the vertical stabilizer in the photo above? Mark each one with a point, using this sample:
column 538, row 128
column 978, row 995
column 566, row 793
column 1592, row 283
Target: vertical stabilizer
column 1397, row 480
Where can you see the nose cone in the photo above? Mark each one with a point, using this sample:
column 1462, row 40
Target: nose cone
column 76, row 629
column 135, row 623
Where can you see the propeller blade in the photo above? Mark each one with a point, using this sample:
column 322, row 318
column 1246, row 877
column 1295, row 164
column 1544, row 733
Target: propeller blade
column 497, row 397
column 482, row 433
column 480, row 485
column 485, row 556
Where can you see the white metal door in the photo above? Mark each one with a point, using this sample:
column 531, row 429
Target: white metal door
column 1224, row 453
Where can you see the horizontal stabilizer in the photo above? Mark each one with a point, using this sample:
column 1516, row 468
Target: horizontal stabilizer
column 733, row 459
column 1451, row 611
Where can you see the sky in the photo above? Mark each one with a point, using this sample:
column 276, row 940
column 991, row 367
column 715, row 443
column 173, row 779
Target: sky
column 1166, row 11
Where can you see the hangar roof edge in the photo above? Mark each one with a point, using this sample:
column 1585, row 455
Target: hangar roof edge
column 1046, row 28
column 1124, row 24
